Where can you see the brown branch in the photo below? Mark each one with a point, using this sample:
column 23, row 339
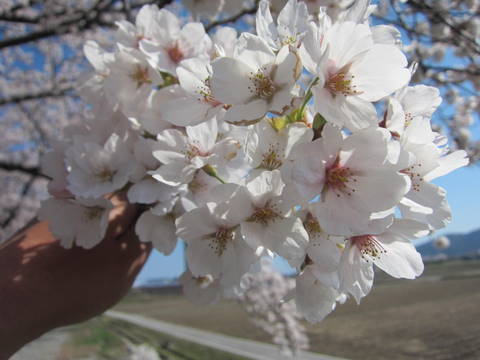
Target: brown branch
column 12, row 213
column 473, row 72
column 81, row 21
column 19, row 18
column 435, row 14
column 233, row 18
column 34, row 171
column 127, row 9
column 19, row 6
column 50, row 93
column 84, row 20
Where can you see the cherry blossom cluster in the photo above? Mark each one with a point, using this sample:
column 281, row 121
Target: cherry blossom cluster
column 443, row 40
column 303, row 141
column 263, row 293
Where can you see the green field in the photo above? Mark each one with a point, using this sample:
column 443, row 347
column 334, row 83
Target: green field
column 434, row 317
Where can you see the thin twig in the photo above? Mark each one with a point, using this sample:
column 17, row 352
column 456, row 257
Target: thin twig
column 232, row 19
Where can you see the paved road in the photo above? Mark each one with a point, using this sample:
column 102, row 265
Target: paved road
column 46, row 347
column 250, row 349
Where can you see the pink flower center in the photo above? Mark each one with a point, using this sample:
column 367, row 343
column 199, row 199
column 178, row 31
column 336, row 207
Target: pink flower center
column 413, row 173
column 368, row 246
column 340, row 82
column 408, row 119
column 340, row 179
column 105, row 175
column 262, row 85
column 193, row 151
column 197, row 185
column 312, row 226
column 220, row 240
column 140, row 75
column 92, row 213
column 265, row 215
column 203, row 281
column 175, row 53
column 273, row 158
column 206, row 93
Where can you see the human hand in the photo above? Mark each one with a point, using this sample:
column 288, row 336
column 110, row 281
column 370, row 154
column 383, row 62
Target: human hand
column 44, row 286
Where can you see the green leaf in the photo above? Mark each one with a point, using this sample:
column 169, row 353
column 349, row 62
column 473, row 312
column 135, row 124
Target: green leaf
column 319, row 122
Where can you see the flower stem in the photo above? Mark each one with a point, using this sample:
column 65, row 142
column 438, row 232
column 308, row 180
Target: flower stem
column 210, row 170
column 307, row 98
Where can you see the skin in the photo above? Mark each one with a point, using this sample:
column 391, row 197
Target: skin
column 44, row 286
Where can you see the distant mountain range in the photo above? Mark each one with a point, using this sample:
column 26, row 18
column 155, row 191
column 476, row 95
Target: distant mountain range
column 460, row 245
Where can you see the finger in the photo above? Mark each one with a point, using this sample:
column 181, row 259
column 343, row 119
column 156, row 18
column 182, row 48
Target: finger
column 121, row 217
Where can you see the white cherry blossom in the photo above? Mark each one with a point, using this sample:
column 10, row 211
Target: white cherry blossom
column 145, row 189
column 224, row 42
column 408, row 119
column 152, row 118
column 92, row 86
column 270, row 223
column 391, row 251
column 268, row 148
column 171, row 43
column 314, row 299
column 95, row 169
column 424, row 196
column 200, row 290
column 255, row 80
column 200, row 188
column 159, row 230
column 53, row 165
column 413, row 105
column 263, row 292
column 323, row 251
column 291, row 24
column 82, row 221
column 353, row 71
column 145, row 27
column 131, row 79
column 183, row 154
column 214, row 244
column 353, row 176
column 195, row 104
column 142, row 352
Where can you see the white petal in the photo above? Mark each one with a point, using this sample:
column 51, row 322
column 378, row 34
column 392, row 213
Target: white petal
column 314, row 300
column 400, row 259
column 148, row 191
column 202, row 259
column 159, row 230
column 356, row 275
column 265, row 26
column 380, row 72
column 171, row 144
column 202, row 291
column 254, row 51
column 248, row 113
column 174, row 174
column 203, row 135
column 448, row 163
column 194, row 225
column 230, row 80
